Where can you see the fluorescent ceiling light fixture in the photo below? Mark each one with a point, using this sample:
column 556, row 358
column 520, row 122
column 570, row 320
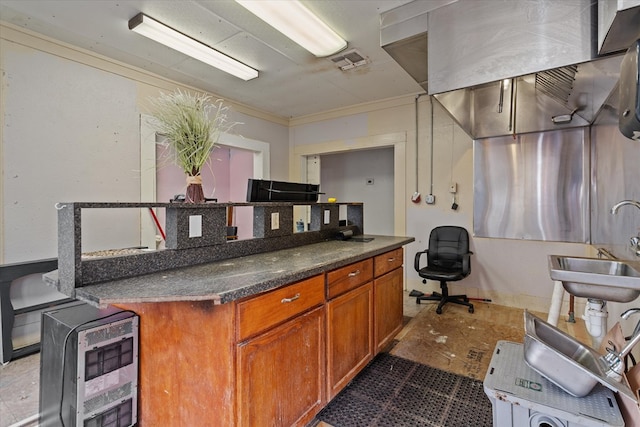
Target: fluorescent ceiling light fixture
column 157, row 31
column 297, row 22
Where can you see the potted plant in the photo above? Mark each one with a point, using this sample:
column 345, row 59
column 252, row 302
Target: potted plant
column 192, row 125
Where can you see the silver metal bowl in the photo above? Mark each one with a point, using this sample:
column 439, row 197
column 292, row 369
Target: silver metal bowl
column 571, row 365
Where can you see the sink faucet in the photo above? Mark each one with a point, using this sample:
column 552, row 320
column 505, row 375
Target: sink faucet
column 614, row 209
column 614, row 359
column 634, row 242
column 626, row 314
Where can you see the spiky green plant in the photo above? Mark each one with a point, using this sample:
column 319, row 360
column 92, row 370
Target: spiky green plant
column 192, row 125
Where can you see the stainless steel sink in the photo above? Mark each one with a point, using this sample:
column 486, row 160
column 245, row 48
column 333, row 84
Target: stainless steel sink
column 571, row 365
column 611, row 280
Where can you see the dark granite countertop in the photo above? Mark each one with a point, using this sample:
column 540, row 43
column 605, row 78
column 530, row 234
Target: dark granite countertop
column 231, row 279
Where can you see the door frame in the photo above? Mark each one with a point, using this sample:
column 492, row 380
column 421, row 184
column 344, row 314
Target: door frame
column 397, row 141
column 261, row 169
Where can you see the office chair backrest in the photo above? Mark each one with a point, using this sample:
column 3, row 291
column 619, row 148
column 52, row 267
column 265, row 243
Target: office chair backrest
column 447, row 244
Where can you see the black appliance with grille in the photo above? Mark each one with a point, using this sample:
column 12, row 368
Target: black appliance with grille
column 259, row 190
column 88, row 367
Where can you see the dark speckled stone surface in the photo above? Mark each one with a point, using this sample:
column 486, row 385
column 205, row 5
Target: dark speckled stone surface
column 75, row 271
column 231, row 279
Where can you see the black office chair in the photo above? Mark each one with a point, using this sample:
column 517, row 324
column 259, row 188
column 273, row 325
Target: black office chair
column 448, row 260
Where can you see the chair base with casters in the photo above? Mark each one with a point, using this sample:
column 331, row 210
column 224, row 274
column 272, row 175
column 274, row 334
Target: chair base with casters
column 443, row 297
column 448, row 260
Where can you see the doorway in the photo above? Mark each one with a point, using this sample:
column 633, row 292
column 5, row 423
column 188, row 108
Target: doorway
column 235, row 160
column 362, row 176
column 305, row 167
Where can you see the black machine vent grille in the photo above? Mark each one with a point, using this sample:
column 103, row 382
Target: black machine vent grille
column 104, row 399
column 118, row 416
column 109, row 332
column 108, row 358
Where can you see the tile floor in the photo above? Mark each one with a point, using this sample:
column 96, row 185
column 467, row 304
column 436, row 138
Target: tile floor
column 19, row 390
column 19, row 382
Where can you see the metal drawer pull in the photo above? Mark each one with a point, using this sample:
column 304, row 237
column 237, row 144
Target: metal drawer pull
column 354, row 273
column 391, row 259
column 293, row 298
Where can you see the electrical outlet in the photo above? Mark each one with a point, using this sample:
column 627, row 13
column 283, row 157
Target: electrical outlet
column 430, row 199
column 195, row 226
column 275, row 220
column 453, row 188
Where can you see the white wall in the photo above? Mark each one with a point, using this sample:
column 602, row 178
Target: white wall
column 71, row 132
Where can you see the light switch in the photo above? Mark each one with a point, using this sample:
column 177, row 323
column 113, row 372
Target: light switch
column 195, row 226
column 275, row 220
column 327, row 216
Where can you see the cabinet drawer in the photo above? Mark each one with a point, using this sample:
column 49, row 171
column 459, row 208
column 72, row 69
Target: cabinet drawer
column 388, row 261
column 264, row 311
column 349, row 277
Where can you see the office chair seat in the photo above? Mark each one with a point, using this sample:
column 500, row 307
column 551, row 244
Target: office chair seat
column 441, row 274
column 448, row 260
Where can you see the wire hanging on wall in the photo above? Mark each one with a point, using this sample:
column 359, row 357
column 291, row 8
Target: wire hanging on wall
column 431, row 198
column 415, row 198
column 453, row 186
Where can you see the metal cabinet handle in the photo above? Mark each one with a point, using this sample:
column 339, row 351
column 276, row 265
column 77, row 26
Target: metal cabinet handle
column 391, row 259
column 293, row 298
column 354, row 273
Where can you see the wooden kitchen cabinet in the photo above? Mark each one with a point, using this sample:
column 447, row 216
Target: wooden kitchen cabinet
column 387, row 291
column 349, row 324
column 388, row 298
column 388, row 261
column 270, row 359
column 281, row 373
column 281, row 366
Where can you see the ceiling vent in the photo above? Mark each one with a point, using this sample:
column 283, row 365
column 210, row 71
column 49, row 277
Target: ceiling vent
column 350, row 59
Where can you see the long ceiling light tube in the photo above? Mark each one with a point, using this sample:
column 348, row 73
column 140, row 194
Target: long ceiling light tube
column 157, row 31
column 298, row 23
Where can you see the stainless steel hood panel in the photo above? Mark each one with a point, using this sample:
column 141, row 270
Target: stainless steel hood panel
column 411, row 54
column 618, row 24
column 533, row 187
column 403, row 34
column 476, row 109
column 472, row 42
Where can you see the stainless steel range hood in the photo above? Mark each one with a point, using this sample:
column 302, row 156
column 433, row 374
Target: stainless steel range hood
column 573, row 95
column 545, row 51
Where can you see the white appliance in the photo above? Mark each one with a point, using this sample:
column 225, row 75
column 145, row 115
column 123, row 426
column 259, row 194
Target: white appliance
column 523, row 398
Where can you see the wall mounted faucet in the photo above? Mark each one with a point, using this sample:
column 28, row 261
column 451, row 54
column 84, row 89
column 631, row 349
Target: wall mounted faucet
column 614, row 209
column 634, row 242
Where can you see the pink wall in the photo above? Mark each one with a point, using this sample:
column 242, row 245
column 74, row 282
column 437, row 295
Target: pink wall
column 240, row 171
column 224, row 178
column 170, row 180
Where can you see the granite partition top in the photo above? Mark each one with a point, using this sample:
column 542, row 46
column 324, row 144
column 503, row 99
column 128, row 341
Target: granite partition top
column 235, row 278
